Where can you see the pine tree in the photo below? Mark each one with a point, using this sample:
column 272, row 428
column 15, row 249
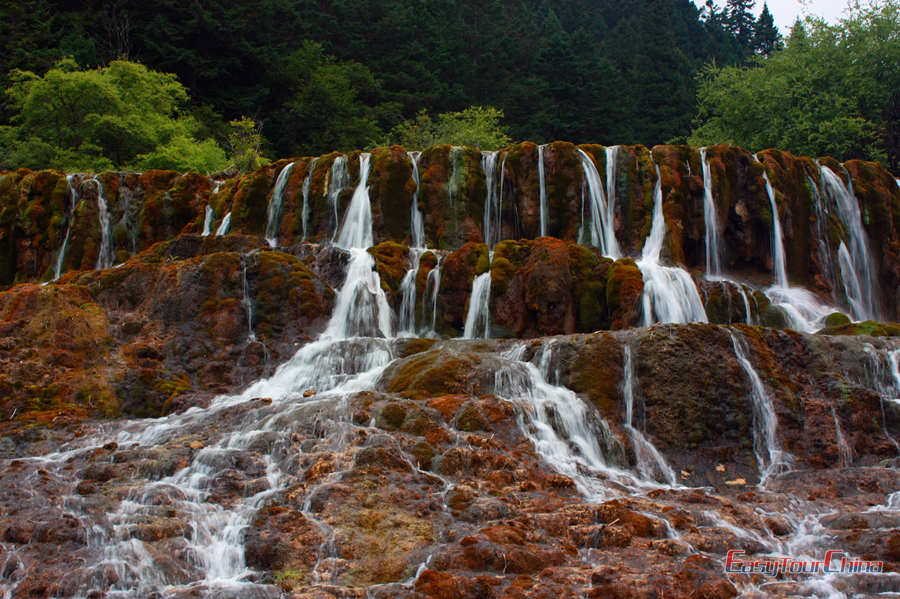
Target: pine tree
column 766, row 38
column 740, row 21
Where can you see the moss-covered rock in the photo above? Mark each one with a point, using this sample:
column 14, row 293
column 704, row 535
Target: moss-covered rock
column 392, row 262
column 868, row 327
column 457, row 272
column 624, row 289
column 451, row 196
column 391, row 189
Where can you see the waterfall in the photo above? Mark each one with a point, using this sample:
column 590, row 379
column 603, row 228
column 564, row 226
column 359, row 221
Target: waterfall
column 854, row 257
column 224, row 226
column 713, row 266
column 885, row 375
column 844, row 451
column 778, row 256
column 670, row 294
column 406, row 321
column 569, row 436
column 803, row 310
column 212, row 561
column 104, row 257
column 338, row 180
column 356, row 231
column 361, row 309
column 432, row 287
column 612, row 244
column 307, row 181
column 823, row 246
column 72, row 194
column 650, row 462
column 416, row 221
column 748, row 315
column 500, row 199
column 273, row 212
column 208, row 221
column 478, row 316
column 543, row 190
column 245, row 298
column 603, row 233
column 771, row 459
column 491, row 199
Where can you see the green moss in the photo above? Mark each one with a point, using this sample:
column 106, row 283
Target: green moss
column 392, row 263
column 250, row 204
column 624, row 287
column 430, row 374
column 596, row 372
column 391, row 189
column 868, row 327
column 502, row 271
column 836, row 319
column 589, row 274
column 288, row 580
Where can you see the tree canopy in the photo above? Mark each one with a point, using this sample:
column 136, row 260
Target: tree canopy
column 352, row 74
column 477, row 126
column 119, row 116
column 323, row 76
column 834, row 89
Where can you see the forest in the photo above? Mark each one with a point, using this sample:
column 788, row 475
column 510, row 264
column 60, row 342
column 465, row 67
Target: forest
column 305, row 77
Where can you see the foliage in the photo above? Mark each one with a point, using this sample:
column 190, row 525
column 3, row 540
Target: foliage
column 835, row 89
column 476, row 126
column 766, row 38
column 335, row 75
column 119, row 116
column 329, row 104
column 245, row 141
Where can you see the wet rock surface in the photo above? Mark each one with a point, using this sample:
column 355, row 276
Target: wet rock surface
column 186, row 409
column 427, row 487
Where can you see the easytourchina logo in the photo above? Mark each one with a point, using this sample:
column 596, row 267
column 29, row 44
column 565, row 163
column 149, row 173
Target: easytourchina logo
column 834, row 562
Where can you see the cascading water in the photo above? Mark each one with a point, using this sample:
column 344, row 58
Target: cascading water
column 362, row 308
column 612, row 153
column 603, row 233
column 246, row 300
column 844, row 451
column 214, row 561
column 406, row 325
column 778, row 255
column 885, row 378
column 564, row 431
column 74, row 197
column 307, row 181
column 771, row 459
column 429, row 301
column 713, row 266
column 224, row 226
column 491, row 199
column 406, row 318
column 500, row 198
column 670, row 294
column 478, row 317
column 454, row 184
column 273, row 211
column 543, row 190
column 803, row 310
column 416, row 220
column 104, row 257
column 356, row 231
column 649, row 461
column 208, row 218
column 338, row 180
column 854, row 256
